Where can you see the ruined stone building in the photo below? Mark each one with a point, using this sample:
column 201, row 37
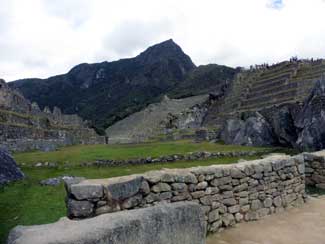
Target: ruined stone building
column 23, row 126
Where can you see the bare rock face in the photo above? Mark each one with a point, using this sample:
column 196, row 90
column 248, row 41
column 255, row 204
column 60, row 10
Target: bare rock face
column 282, row 122
column 176, row 223
column 9, row 170
column 255, row 130
column 311, row 120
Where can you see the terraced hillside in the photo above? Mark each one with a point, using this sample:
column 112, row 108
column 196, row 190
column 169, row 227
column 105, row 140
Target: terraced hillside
column 160, row 118
column 289, row 82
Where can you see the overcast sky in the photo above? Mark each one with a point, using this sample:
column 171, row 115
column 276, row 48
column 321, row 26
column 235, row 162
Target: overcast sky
column 40, row 38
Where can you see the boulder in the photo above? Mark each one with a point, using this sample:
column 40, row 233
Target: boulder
column 9, row 171
column 176, row 223
column 311, row 120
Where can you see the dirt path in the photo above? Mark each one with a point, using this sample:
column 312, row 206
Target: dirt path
column 305, row 225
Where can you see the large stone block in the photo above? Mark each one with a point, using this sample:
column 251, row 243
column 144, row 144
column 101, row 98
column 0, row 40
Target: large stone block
column 124, row 188
column 116, row 189
column 176, row 223
column 84, row 191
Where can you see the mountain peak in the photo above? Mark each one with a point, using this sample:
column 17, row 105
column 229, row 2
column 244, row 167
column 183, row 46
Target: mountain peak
column 166, row 50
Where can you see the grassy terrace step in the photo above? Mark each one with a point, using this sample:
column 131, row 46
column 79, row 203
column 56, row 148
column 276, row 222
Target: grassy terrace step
column 309, row 76
column 259, row 106
column 276, row 74
column 74, row 155
column 272, row 89
column 303, row 72
column 274, row 97
column 267, row 86
column 268, row 81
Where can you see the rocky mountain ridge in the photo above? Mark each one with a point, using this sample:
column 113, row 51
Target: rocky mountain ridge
column 109, row 91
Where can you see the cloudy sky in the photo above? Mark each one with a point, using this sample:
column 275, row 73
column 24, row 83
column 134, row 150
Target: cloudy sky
column 40, row 38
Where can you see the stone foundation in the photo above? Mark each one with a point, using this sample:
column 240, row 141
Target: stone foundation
column 228, row 194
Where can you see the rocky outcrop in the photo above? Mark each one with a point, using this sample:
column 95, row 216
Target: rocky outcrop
column 254, row 131
column 310, row 122
column 282, row 121
column 294, row 125
column 177, row 223
column 9, row 171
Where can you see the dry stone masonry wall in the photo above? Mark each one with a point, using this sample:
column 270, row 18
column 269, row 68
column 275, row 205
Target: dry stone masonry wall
column 203, row 155
column 228, row 194
column 315, row 169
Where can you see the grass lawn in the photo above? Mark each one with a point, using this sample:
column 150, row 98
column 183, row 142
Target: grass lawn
column 88, row 153
column 28, row 203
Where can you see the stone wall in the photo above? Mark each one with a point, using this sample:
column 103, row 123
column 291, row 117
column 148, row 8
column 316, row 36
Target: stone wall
column 315, row 169
column 179, row 223
column 18, row 138
column 228, row 194
column 192, row 156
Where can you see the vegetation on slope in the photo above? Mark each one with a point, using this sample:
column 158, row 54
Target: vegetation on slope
column 109, row 91
column 211, row 78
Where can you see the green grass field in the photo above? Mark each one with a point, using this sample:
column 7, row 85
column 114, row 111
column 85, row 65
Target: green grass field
column 27, row 202
column 88, row 153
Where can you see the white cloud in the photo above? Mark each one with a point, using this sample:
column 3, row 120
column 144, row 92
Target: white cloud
column 39, row 38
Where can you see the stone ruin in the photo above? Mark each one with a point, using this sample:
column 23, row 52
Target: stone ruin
column 23, row 126
column 199, row 200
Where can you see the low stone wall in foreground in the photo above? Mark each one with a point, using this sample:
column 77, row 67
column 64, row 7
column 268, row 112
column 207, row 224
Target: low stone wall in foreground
column 177, row 223
column 315, row 169
column 228, row 194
